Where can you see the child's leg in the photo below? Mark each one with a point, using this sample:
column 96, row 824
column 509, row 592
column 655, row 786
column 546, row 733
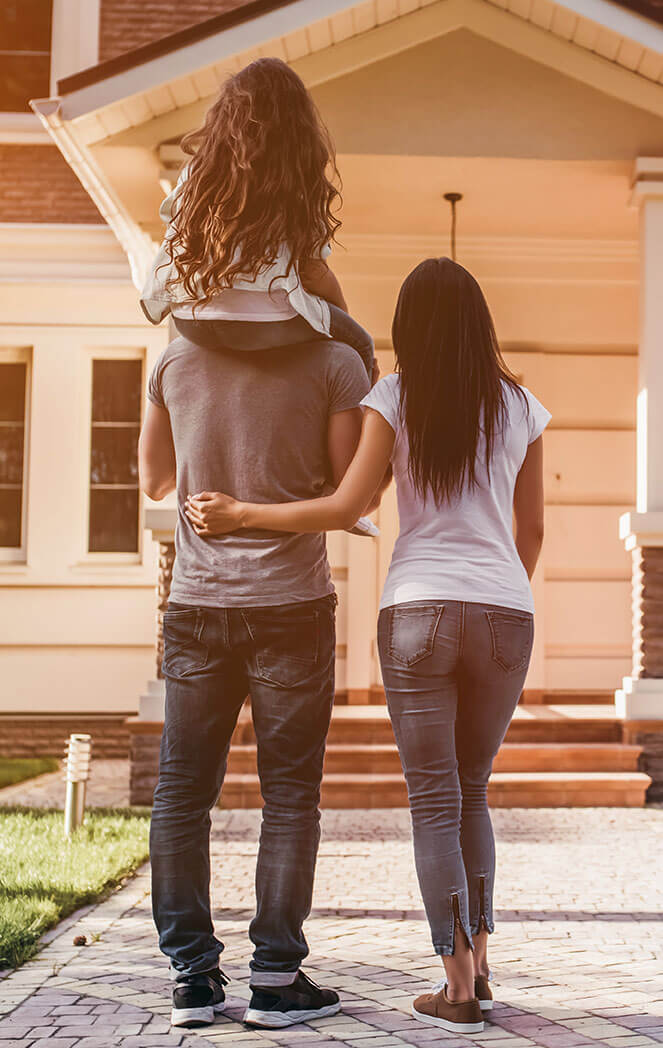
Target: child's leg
column 246, row 335
column 344, row 328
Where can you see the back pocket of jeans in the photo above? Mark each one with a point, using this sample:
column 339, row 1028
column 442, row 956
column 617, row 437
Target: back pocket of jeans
column 412, row 630
column 184, row 649
column 511, row 635
column 286, row 643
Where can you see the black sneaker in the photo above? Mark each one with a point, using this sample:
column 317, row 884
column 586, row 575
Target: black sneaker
column 196, row 999
column 276, row 1006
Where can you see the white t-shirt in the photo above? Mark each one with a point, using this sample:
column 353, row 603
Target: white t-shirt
column 464, row 549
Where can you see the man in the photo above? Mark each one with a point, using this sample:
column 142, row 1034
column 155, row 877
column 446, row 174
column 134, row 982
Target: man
column 251, row 612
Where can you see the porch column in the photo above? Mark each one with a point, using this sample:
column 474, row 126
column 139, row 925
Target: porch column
column 641, row 697
column 145, row 729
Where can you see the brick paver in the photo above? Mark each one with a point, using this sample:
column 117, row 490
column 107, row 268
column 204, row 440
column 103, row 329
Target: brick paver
column 579, row 923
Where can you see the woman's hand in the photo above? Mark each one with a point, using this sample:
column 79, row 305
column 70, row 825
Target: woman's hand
column 212, row 513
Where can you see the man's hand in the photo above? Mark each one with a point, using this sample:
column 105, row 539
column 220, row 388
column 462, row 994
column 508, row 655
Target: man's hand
column 212, row 513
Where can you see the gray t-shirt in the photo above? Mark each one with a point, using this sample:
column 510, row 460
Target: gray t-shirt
column 253, row 425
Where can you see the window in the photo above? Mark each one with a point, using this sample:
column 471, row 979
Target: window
column 13, row 401
column 25, row 52
column 114, row 517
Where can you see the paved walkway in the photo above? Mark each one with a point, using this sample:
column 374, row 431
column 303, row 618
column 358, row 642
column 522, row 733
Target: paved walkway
column 579, row 912
column 108, row 787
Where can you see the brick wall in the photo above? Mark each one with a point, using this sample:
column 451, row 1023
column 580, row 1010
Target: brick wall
column 125, row 24
column 37, row 185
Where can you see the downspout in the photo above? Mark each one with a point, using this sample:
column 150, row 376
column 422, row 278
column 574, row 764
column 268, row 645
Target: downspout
column 137, row 245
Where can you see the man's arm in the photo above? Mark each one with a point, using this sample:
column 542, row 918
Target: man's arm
column 213, row 513
column 157, row 467
column 343, row 433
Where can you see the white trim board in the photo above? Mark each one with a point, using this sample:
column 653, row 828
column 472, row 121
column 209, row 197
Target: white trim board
column 32, row 252
column 23, row 129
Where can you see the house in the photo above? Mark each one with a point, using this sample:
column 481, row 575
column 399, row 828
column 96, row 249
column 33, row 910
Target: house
column 548, row 118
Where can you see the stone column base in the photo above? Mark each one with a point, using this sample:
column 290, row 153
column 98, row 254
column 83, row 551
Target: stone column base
column 640, row 699
column 144, row 742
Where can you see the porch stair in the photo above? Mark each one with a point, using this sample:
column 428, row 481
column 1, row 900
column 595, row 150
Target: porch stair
column 567, row 754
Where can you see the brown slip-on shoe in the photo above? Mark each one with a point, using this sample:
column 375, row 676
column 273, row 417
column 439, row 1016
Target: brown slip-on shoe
column 483, row 993
column 458, row 1017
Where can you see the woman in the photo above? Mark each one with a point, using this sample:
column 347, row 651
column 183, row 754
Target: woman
column 456, row 621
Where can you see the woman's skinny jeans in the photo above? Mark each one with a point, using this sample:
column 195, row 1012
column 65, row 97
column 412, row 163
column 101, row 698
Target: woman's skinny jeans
column 453, row 673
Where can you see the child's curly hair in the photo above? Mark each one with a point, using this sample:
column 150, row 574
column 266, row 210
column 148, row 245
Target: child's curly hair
column 263, row 174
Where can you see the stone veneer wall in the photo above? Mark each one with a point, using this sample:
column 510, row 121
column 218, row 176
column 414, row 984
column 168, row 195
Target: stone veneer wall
column 44, row 735
column 166, row 563
column 144, row 765
column 648, row 611
column 649, row 735
column 648, row 659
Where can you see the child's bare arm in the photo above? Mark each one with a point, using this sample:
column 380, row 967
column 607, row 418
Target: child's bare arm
column 318, row 279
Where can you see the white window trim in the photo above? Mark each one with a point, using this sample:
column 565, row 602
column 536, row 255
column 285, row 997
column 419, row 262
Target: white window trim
column 23, row 355
column 92, row 353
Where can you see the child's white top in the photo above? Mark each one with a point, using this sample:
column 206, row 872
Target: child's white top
column 464, row 549
column 272, row 295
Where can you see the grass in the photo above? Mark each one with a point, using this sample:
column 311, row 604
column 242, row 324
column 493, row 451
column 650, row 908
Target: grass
column 18, row 769
column 44, row 877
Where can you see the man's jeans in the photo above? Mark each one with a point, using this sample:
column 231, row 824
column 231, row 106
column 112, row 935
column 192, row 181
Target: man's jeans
column 453, row 673
column 284, row 657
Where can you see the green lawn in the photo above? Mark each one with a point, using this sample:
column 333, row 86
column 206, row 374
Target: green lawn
column 17, row 769
column 44, row 877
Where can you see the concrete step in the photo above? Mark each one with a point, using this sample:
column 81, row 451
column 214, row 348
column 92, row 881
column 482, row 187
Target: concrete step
column 560, row 696
column 567, row 757
column 578, row 697
column 383, row 758
column 554, row 755
column 506, row 790
column 568, row 789
column 542, row 722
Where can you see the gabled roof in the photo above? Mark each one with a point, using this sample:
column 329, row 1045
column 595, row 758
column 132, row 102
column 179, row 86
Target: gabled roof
column 326, row 38
column 157, row 92
column 239, row 11
column 242, row 11
column 649, row 8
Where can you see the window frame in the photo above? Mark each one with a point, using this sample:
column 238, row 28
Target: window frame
column 21, row 355
column 108, row 557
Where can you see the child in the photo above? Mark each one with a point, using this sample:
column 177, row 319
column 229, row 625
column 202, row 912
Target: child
column 243, row 263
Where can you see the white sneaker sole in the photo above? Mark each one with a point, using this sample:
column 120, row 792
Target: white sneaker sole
column 446, row 1024
column 192, row 1017
column 277, row 1020
column 486, row 1006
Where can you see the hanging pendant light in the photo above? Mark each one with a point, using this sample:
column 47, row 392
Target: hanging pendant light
column 453, row 199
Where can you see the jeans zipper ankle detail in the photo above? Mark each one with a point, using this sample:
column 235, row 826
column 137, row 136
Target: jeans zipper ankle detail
column 458, row 924
column 483, row 923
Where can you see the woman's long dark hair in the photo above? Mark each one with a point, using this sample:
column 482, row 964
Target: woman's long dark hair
column 263, row 173
column 452, row 376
